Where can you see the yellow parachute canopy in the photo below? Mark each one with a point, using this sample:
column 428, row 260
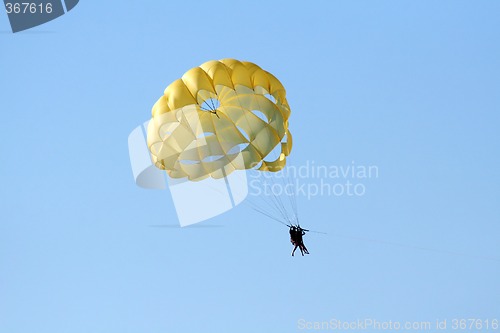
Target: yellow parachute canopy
column 219, row 117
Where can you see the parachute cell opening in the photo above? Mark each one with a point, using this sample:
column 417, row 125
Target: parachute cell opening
column 261, row 115
column 270, row 97
column 210, row 105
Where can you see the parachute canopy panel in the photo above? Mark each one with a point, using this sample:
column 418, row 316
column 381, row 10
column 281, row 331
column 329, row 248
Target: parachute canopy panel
column 219, row 117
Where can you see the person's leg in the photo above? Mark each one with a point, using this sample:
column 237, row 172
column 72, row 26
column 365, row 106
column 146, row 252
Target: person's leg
column 295, row 248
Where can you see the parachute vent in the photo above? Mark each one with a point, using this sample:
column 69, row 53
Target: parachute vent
column 211, row 105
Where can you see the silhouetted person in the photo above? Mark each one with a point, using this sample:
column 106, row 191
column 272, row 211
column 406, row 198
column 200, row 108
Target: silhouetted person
column 293, row 238
column 296, row 234
column 301, row 232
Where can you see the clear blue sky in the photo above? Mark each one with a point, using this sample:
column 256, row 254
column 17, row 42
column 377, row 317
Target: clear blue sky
column 409, row 86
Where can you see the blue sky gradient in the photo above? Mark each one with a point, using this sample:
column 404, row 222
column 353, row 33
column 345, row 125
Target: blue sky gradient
column 411, row 87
